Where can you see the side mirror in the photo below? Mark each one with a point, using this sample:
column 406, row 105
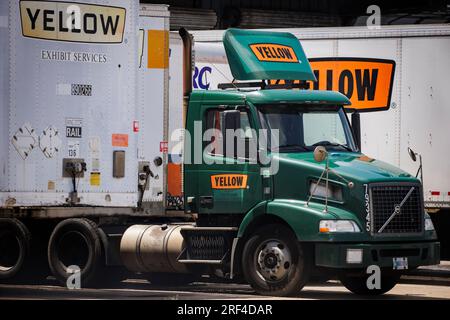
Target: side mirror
column 320, row 153
column 231, row 120
column 412, row 154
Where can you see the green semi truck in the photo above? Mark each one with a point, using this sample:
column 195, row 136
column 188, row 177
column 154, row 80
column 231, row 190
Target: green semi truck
column 309, row 203
column 276, row 191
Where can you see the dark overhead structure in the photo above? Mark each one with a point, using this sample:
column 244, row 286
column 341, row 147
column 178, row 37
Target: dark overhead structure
column 222, row 14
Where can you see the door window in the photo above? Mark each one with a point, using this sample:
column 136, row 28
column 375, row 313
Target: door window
column 233, row 142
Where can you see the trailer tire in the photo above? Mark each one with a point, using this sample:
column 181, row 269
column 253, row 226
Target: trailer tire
column 76, row 242
column 15, row 240
column 274, row 262
column 357, row 284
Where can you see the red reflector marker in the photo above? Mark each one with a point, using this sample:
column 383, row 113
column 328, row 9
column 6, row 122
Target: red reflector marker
column 135, row 126
column 436, row 193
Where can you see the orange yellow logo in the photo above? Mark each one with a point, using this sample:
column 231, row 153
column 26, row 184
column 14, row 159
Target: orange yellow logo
column 229, row 181
column 270, row 52
column 367, row 82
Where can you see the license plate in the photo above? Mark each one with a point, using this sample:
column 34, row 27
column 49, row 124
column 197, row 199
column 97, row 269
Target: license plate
column 400, row 263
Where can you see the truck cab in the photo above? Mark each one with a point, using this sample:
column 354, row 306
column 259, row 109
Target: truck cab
column 295, row 191
column 339, row 214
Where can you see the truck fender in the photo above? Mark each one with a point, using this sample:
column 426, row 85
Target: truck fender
column 302, row 220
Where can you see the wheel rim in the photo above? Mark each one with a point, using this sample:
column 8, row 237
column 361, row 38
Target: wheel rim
column 73, row 250
column 10, row 250
column 273, row 260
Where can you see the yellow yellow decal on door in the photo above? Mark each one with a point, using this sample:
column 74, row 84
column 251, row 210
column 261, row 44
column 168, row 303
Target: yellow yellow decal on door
column 229, row 181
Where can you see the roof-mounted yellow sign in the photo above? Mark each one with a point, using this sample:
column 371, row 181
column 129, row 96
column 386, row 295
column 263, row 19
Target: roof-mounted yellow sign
column 263, row 55
column 274, row 52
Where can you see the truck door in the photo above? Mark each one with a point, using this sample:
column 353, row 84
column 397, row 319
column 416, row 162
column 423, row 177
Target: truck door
column 229, row 179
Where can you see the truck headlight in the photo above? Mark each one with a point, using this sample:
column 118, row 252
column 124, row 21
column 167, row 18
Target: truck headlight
column 326, row 226
column 320, row 190
column 429, row 224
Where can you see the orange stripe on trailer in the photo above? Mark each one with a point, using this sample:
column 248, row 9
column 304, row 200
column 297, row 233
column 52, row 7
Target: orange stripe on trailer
column 174, row 187
column 158, row 49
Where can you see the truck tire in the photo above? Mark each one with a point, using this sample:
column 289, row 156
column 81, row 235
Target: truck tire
column 15, row 240
column 357, row 284
column 274, row 262
column 76, row 242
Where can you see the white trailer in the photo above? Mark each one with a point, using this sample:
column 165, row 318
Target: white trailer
column 418, row 112
column 84, row 103
column 81, row 107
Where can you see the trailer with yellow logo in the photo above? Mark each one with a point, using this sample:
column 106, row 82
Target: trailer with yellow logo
column 84, row 119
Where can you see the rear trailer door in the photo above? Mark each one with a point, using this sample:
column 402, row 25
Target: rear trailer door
column 151, row 124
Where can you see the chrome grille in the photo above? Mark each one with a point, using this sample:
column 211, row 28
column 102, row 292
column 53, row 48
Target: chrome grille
column 384, row 199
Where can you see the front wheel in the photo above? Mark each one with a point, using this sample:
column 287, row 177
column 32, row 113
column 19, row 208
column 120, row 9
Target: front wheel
column 358, row 284
column 274, row 263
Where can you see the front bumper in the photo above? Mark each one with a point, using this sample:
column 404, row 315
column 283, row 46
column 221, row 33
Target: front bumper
column 334, row 255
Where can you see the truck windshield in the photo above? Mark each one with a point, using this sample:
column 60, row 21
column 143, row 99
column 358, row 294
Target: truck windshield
column 301, row 128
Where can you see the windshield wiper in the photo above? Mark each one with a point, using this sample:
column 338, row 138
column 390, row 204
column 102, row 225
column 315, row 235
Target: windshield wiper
column 293, row 146
column 332, row 144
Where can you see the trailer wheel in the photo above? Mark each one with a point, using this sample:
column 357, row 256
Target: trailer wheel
column 14, row 247
column 358, row 285
column 75, row 243
column 274, row 262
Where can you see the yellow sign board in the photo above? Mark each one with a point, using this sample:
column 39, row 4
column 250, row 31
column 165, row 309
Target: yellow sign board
column 367, row 82
column 74, row 22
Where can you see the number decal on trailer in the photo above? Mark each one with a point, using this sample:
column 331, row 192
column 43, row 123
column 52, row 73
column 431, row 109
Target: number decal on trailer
column 73, row 149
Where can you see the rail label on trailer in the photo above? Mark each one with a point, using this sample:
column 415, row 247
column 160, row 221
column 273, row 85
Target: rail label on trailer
column 74, row 127
column 274, row 52
column 367, row 82
column 74, row 22
column 229, row 181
